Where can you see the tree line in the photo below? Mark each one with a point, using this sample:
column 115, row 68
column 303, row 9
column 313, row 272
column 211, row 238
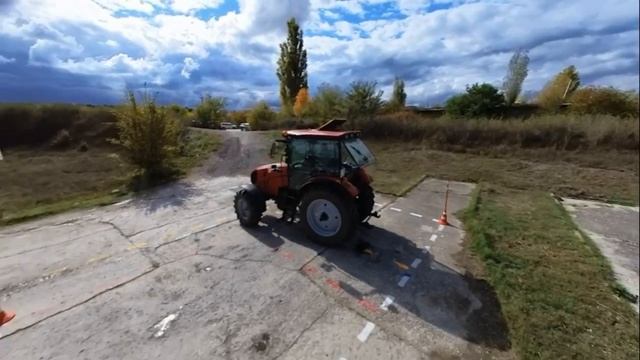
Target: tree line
column 362, row 99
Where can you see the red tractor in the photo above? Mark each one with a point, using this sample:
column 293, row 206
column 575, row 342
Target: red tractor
column 321, row 174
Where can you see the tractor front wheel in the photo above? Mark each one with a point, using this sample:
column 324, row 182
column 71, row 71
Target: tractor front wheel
column 327, row 218
column 249, row 205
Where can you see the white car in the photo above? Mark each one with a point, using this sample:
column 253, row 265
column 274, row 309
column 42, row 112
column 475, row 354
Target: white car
column 227, row 125
column 245, row 127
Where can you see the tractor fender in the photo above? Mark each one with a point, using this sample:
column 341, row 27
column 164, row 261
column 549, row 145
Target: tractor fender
column 254, row 192
column 342, row 185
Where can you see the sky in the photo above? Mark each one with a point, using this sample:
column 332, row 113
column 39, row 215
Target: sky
column 91, row 51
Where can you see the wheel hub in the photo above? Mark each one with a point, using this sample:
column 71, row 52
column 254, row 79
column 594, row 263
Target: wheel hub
column 323, row 217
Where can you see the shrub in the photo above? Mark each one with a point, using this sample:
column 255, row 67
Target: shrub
column 261, row 117
column 62, row 140
column 148, row 135
column 328, row 103
column 559, row 89
column 238, row 117
column 480, row 100
column 210, row 112
column 604, row 100
column 302, row 102
column 363, row 100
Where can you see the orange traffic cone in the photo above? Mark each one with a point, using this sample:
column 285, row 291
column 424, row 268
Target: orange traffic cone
column 6, row 316
column 443, row 218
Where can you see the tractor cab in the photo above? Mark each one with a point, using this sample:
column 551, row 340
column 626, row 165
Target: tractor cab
column 321, row 173
column 310, row 154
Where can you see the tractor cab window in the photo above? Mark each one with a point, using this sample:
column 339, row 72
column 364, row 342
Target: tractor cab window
column 359, row 151
column 314, row 155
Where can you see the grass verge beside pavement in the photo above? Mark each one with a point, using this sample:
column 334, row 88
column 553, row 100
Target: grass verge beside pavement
column 36, row 182
column 556, row 290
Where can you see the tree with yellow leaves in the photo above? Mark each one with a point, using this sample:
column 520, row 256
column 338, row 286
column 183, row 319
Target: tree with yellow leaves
column 302, row 101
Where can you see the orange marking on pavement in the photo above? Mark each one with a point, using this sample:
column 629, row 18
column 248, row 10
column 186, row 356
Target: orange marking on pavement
column 287, row 255
column 334, row 284
column 368, row 305
column 310, row 270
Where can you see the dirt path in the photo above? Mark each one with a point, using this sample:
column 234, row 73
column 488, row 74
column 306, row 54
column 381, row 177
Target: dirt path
column 241, row 152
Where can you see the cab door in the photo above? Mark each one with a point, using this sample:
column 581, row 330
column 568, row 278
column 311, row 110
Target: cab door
column 312, row 157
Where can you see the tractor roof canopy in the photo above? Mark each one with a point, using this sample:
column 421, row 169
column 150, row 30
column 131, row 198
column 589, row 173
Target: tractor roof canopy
column 320, row 134
column 329, row 130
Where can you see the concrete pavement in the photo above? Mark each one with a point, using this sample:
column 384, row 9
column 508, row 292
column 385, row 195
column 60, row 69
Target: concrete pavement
column 614, row 229
column 173, row 275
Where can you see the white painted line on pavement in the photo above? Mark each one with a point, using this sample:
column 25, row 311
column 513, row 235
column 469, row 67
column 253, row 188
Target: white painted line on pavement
column 387, row 301
column 416, row 263
column 403, row 280
column 163, row 325
column 396, row 209
column 378, row 204
column 433, row 237
column 428, row 248
column 368, row 328
column 416, row 215
column 441, row 227
column 123, row 202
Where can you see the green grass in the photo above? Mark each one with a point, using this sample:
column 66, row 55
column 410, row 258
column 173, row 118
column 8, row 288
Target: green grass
column 555, row 288
column 36, row 182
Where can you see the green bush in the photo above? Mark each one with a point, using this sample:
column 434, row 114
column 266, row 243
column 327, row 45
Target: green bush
column 210, row 112
column 480, row 100
column 363, row 101
column 261, row 117
column 149, row 136
column 604, row 100
column 328, row 103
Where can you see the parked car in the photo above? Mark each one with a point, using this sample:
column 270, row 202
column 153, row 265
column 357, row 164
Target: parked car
column 245, row 127
column 227, row 125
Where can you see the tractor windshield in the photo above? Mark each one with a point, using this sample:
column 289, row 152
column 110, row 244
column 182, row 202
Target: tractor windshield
column 359, row 151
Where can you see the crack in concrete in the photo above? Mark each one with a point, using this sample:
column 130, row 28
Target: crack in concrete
column 295, row 341
column 194, row 233
column 80, row 303
column 153, row 262
column 173, row 222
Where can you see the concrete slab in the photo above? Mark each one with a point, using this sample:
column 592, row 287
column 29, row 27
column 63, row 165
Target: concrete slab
column 173, row 275
column 614, row 229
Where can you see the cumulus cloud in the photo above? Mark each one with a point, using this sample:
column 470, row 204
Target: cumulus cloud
column 188, row 6
column 189, row 47
column 190, row 66
column 6, row 60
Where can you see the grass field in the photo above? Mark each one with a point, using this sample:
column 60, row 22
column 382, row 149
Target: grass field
column 555, row 288
column 38, row 181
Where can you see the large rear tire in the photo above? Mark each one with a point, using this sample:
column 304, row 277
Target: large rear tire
column 249, row 205
column 365, row 202
column 328, row 218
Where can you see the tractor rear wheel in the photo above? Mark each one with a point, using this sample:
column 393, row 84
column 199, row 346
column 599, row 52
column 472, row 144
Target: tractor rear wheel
column 249, row 205
column 328, row 218
column 365, row 202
